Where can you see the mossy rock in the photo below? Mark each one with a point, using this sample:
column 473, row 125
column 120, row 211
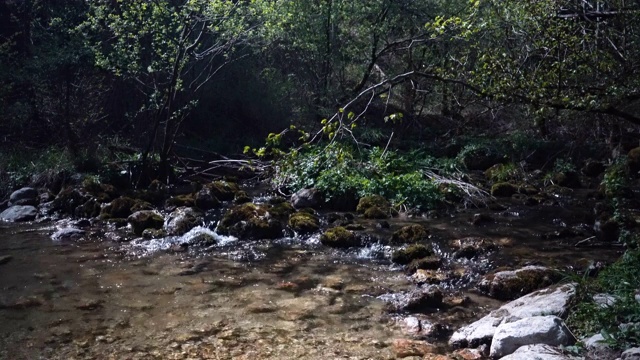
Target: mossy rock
column 509, row 285
column 145, row 219
column 633, row 160
column 410, row 234
column 155, row 192
column 371, row 201
column 339, row 237
column 186, row 200
column 569, row 179
column 410, row 253
column 153, row 233
column 241, row 197
column 250, row 221
column 68, row 200
column 89, row 209
column 102, row 192
column 141, row 205
column 118, row 208
column 183, row 219
column 223, row 190
column 375, row 212
column 425, row 263
column 205, row 200
column 281, row 210
column 304, row 222
column 503, row 189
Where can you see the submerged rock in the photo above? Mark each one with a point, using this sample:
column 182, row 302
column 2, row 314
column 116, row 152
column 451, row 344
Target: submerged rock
column 68, row 234
column 550, row 301
column 471, row 247
column 19, row 213
column 508, row 285
column 406, row 347
column 548, row 330
column 422, row 299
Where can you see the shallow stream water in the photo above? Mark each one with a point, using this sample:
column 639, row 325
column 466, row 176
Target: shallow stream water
column 287, row 299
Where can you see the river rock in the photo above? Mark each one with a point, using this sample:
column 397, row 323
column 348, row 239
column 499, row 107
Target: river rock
column 19, row 213
column 538, row 352
column 252, row 221
column 205, row 200
column 411, row 253
column 304, row 222
column 24, row 196
column 145, row 219
column 550, row 301
column 508, row 285
column 471, row 247
column 374, row 207
column 339, row 237
column 549, row 330
column 503, row 189
column 183, row 219
column 307, row 198
column 631, row 354
column 416, row 300
column 410, row 234
column 68, row 234
column 403, row 348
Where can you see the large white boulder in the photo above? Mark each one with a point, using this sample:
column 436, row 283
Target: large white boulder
column 550, row 301
column 538, row 352
column 548, row 330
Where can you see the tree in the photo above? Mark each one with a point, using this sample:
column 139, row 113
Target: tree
column 169, row 49
column 555, row 54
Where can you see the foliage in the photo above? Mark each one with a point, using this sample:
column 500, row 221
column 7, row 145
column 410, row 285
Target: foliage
column 616, row 178
column 546, row 53
column 18, row 168
column 618, row 323
column 339, row 169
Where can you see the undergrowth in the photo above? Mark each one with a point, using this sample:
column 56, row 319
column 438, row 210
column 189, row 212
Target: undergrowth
column 342, row 170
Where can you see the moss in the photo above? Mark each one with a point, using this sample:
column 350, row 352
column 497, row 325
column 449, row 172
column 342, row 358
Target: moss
column 368, row 202
column 205, row 200
column 281, row 210
column 187, row 200
column 89, row 209
column 223, row 190
column 339, row 237
column 250, row 221
column 503, row 189
column 410, row 234
column 118, row 208
column 68, row 200
column 425, row 263
column 145, row 219
column 153, row 233
column 241, row 197
column 510, row 285
column 375, row 212
column 140, row 205
column 102, row 192
column 410, row 253
column 304, row 222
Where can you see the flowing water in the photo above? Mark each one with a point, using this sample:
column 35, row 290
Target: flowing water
column 101, row 298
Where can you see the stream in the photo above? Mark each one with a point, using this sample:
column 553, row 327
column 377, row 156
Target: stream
column 292, row 298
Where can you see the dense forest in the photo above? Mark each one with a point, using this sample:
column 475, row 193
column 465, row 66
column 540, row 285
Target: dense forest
column 424, row 106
